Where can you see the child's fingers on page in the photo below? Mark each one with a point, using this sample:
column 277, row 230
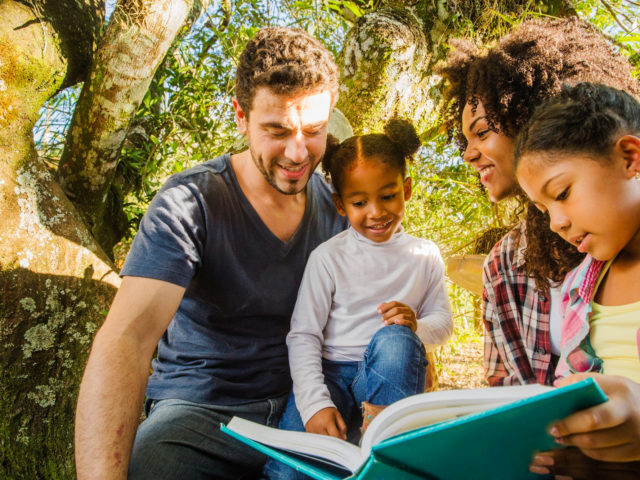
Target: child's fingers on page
column 590, row 420
column 334, row 428
column 342, row 426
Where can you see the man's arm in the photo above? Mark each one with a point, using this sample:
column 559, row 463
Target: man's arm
column 114, row 381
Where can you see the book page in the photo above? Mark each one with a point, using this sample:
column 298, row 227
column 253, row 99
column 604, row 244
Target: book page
column 428, row 408
column 338, row 451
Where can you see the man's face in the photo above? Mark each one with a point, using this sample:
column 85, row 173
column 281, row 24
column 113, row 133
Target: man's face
column 287, row 135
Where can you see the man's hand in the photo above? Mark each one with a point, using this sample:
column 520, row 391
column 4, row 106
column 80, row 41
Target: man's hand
column 398, row 313
column 327, row 421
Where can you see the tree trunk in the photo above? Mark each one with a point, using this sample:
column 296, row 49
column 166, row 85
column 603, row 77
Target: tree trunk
column 55, row 282
column 135, row 43
column 386, row 63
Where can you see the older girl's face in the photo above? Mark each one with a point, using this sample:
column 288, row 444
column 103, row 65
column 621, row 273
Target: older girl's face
column 489, row 152
column 592, row 204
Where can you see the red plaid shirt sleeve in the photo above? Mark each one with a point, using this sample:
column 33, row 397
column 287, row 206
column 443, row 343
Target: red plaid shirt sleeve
column 516, row 318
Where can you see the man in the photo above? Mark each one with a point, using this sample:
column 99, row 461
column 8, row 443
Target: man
column 213, row 275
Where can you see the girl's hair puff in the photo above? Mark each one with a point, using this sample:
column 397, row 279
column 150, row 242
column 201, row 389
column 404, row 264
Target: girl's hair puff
column 395, row 147
column 586, row 118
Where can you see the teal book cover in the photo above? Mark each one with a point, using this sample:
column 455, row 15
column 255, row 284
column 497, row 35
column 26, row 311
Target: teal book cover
column 494, row 444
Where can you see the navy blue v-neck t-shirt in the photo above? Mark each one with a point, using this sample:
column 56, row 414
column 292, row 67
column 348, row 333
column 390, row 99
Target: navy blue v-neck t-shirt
column 226, row 343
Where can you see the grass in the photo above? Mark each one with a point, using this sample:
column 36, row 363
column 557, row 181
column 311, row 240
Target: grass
column 460, row 361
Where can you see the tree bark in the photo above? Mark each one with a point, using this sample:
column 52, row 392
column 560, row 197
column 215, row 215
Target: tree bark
column 386, row 63
column 135, row 43
column 55, row 282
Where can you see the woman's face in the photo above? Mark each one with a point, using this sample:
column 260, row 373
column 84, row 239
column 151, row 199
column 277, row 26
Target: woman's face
column 489, row 152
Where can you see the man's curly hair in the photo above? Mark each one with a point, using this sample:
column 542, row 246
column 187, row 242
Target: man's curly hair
column 287, row 60
column 527, row 66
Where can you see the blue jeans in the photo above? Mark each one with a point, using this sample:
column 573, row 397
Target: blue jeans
column 394, row 366
column 182, row 440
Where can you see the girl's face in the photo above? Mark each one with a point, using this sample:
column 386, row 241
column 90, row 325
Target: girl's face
column 372, row 197
column 489, row 152
column 592, row 204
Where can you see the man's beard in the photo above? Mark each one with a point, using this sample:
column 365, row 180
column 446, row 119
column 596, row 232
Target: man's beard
column 270, row 177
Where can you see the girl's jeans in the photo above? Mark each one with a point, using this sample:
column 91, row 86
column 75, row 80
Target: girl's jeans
column 394, row 366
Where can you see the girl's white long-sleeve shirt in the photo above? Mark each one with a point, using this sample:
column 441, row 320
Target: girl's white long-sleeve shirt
column 335, row 316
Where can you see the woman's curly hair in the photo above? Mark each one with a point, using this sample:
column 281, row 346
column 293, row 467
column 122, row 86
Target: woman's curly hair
column 527, row 66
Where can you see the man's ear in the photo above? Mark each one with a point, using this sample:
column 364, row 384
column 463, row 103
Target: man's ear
column 339, row 205
column 629, row 147
column 407, row 188
column 241, row 117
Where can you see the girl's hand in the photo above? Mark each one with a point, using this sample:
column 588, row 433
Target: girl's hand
column 327, row 421
column 398, row 313
column 609, row 431
column 571, row 463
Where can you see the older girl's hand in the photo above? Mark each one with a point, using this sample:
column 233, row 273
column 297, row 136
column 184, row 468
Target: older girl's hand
column 609, row 431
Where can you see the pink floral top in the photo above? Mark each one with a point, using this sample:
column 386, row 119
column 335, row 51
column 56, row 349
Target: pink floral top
column 578, row 291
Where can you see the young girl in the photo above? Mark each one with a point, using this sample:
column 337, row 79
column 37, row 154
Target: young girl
column 578, row 159
column 369, row 298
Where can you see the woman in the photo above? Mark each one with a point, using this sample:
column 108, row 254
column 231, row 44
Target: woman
column 492, row 93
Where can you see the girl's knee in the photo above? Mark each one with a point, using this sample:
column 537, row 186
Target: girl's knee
column 394, row 336
column 396, row 345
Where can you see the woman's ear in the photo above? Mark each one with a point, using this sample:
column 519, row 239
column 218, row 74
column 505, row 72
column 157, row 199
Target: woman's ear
column 339, row 205
column 407, row 188
column 629, row 147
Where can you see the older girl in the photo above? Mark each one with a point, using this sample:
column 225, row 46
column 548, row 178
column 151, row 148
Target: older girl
column 578, row 160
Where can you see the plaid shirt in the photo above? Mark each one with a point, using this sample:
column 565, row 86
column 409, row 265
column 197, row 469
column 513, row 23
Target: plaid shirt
column 516, row 318
column 578, row 290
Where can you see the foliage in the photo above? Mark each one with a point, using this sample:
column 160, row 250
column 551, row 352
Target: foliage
column 186, row 116
column 447, row 204
column 620, row 19
column 51, row 127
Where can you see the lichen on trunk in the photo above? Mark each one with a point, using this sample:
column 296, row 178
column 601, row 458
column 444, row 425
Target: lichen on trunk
column 383, row 70
column 55, row 282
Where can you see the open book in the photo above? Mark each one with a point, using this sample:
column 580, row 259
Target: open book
column 480, row 433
